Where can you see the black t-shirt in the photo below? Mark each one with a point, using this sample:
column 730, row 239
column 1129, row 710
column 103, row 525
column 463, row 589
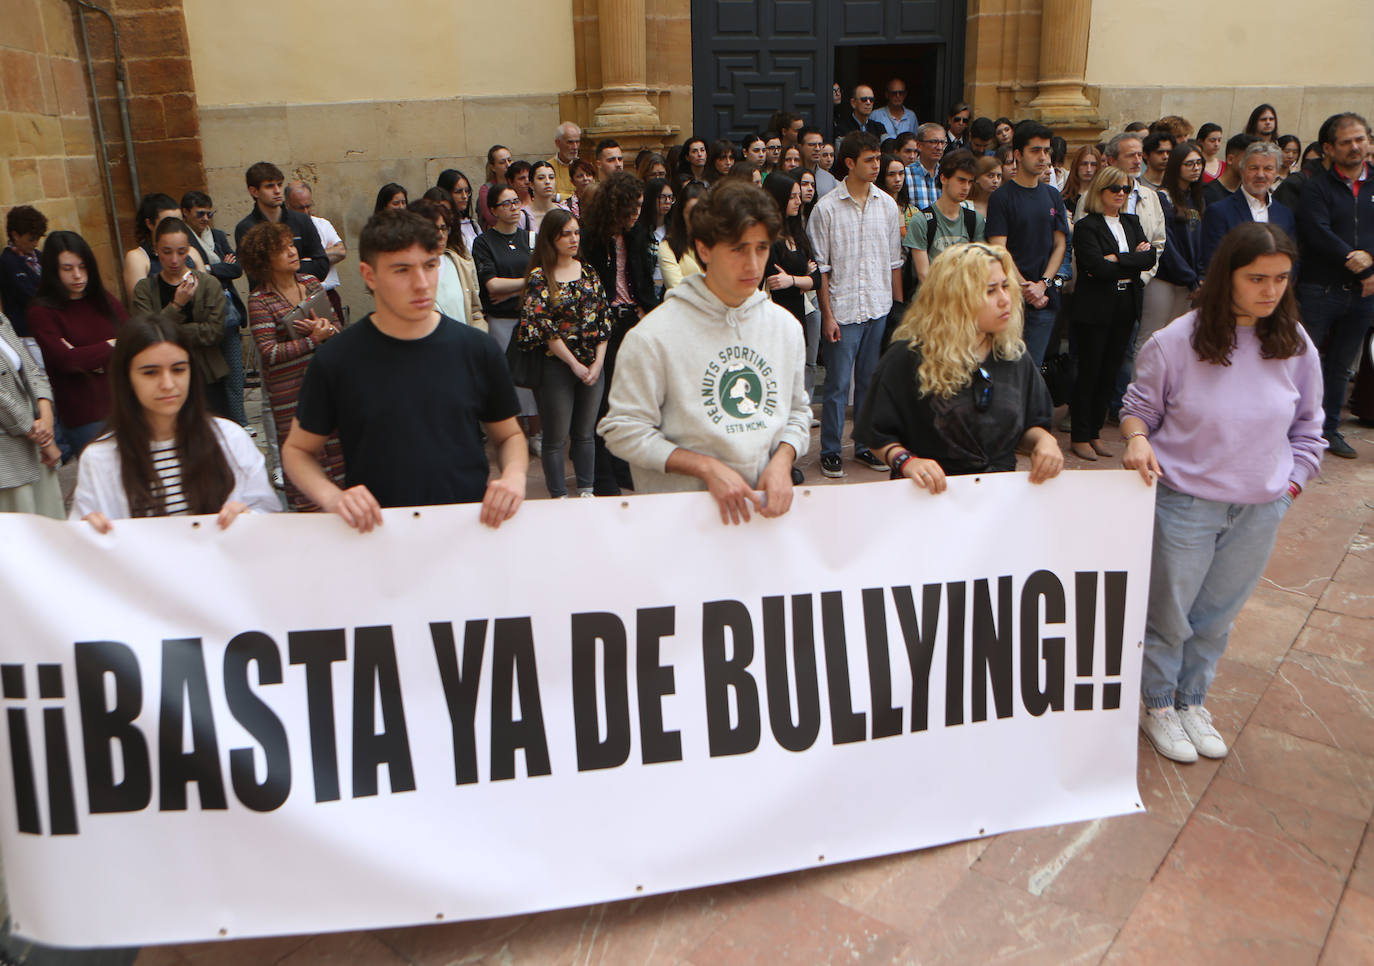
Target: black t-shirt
column 1029, row 217
column 408, row 411
column 497, row 255
column 952, row 431
column 1214, row 191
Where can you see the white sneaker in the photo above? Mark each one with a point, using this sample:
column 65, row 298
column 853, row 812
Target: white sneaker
column 586, row 494
column 1165, row 731
column 536, row 444
column 1197, row 722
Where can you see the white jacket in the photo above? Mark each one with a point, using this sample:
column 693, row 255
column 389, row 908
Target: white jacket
column 100, row 487
column 723, row 382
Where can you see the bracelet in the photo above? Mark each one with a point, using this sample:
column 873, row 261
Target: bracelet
column 1293, row 490
column 1130, row 436
column 903, row 457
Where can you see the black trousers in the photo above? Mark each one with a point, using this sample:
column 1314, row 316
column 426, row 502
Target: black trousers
column 612, row 472
column 1101, row 345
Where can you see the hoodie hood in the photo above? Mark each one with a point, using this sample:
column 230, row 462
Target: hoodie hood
column 698, row 299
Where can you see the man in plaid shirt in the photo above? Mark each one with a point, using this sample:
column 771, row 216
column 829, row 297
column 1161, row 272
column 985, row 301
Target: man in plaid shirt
column 923, row 175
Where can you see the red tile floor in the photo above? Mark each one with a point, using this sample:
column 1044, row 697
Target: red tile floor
column 1266, row 857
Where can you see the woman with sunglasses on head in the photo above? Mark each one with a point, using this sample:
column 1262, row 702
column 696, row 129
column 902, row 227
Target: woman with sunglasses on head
column 1111, row 250
column 1225, row 415
column 166, row 455
column 957, row 392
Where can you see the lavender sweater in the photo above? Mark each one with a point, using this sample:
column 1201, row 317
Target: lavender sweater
column 1234, row 434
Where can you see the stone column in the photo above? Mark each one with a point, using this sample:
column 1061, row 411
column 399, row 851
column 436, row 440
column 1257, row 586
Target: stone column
column 1061, row 102
column 625, row 106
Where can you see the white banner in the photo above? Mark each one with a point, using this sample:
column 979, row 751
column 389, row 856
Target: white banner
column 289, row 727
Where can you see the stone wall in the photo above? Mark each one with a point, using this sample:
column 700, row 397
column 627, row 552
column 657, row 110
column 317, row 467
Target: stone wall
column 47, row 146
column 347, row 151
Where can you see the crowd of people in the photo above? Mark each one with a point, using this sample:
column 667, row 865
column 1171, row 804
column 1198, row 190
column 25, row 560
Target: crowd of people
column 666, row 323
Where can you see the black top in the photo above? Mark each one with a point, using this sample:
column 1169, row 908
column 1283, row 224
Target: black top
column 790, row 261
column 18, row 286
column 498, row 255
column 1097, row 294
column 1214, row 191
column 166, row 291
column 1332, row 222
column 952, row 431
column 1028, row 217
column 314, row 261
column 408, row 412
column 600, row 255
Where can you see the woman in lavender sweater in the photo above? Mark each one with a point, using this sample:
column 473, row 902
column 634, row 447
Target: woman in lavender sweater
column 1225, row 412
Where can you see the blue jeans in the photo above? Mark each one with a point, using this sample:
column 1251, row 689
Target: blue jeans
column 1207, row 559
column 79, row 437
column 855, row 356
column 1337, row 319
column 1039, row 326
column 567, row 407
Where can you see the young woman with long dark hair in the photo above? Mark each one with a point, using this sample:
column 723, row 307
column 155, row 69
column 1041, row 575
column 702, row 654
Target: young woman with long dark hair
column 390, row 195
column 564, row 312
column 1210, row 141
column 791, row 271
column 691, row 164
column 141, row 260
column 165, row 454
column 720, row 158
column 193, row 300
column 457, row 184
column 1082, row 170
column 1225, row 416
column 1170, row 294
column 74, row 320
column 653, row 223
column 463, row 295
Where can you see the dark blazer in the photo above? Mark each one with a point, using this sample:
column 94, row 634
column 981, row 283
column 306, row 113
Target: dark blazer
column 1330, row 227
column 601, row 257
column 849, row 124
column 314, row 261
column 1229, row 212
column 226, row 272
column 1096, row 293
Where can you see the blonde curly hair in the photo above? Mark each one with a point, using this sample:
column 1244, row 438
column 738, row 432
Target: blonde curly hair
column 943, row 321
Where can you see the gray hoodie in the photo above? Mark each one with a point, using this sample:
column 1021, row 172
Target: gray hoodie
column 701, row 376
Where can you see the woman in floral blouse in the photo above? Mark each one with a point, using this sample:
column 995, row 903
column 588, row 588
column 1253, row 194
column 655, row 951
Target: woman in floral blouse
column 286, row 347
column 564, row 311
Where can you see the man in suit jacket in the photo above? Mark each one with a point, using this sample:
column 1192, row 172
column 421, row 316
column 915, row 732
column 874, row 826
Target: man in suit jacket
column 1253, row 202
column 862, row 117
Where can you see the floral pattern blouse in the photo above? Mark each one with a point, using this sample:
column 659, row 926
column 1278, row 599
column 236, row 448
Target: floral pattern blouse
column 572, row 311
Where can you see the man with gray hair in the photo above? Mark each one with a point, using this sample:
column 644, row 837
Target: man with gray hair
column 566, row 141
column 301, row 197
column 923, row 174
column 1259, row 167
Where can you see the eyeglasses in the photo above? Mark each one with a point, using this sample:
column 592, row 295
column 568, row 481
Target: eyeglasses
column 961, row 119
column 1195, row 163
column 982, row 390
column 930, row 140
column 203, row 214
column 1119, row 189
column 899, row 92
column 508, row 203
column 865, row 100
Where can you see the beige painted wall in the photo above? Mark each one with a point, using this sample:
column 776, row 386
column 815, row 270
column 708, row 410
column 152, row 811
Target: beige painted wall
column 1266, row 43
column 1307, row 66
column 398, row 100
column 250, row 52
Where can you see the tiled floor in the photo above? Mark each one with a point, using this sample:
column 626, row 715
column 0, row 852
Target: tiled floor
column 1267, row 857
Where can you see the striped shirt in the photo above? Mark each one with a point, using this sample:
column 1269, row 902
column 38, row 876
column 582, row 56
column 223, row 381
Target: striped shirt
column 167, row 467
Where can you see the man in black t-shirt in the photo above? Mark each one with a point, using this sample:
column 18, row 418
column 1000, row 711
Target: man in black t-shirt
column 408, row 390
column 1026, row 216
